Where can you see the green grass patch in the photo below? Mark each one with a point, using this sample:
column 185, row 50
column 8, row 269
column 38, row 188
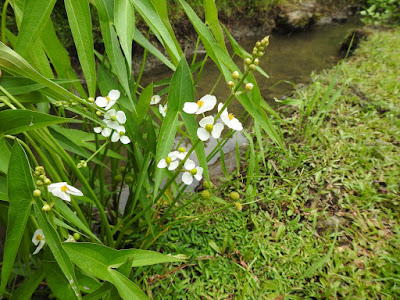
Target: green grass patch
column 319, row 223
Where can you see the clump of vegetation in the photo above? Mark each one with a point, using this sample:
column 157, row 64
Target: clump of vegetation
column 321, row 221
column 381, row 12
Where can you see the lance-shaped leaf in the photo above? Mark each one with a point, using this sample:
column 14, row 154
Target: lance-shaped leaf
column 124, row 20
column 17, row 121
column 20, row 188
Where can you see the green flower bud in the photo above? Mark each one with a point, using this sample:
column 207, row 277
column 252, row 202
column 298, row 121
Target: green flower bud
column 238, row 206
column 235, row 75
column 42, row 177
column 249, row 87
column 40, row 169
column 91, row 99
column 84, row 108
column 205, row 194
column 128, row 179
column 231, row 84
column 252, row 67
column 47, row 181
column 247, row 61
column 208, row 186
column 46, row 208
column 39, row 183
column 76, row 236
column 118, row 178
column 234, row 196
column 256, row 61
column 36, row 174
column 99, row 113
column 258, row 44
column 37, row 193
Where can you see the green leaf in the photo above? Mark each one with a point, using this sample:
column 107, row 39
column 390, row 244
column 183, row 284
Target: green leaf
column 212, row 21
column 126, row 288
column 20, row 187
column 124, row 20
column 142, row 108
column 139, row 38
column 17, row 121
column 36, row 15
column 57, row 249
column 29, row 285
column 80, row 22
column 3, row 188
column 5, row 155
column 153, row 20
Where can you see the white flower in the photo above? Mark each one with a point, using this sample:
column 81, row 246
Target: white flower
column 113, row 119
column 119, row 135
column 206, row 103
column 108, row 101
column 229, row 119
column 171, row 161
column 62, row 190
column 192, row 171
column 155, row 99
column 39, row 240
column 70, row 239
column 209, row 128
column 163, row 109
column 105, row 131
column 177, row 155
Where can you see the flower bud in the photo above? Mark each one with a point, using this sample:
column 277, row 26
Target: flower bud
column 249, row 87
column 235, row 75
column 208, row 186
column 84, row 108
column 39, row 183
column 46, row 207
column 39, row 169
column 123, row 169
column 91, row 99
column 256, row 61
column 47, row 181
column 258, row 44
column 37, row 193
column 255, row 53
column 205, row 194
column 99, row 113
column 234, row 196
column 247, row 61
column 76, row 236
column 128, row 179
column 36, row 174
column 118, row 178
column 231, row 84
column 252, row 67
column 238, row 206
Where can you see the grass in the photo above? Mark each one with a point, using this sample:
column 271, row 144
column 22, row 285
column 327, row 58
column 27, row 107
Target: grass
column 323, row 222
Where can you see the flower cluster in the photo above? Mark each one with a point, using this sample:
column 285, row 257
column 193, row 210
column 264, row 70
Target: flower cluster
column 155, row 99
column 113, row 119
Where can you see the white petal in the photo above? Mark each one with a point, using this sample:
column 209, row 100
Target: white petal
column 235, row 124
column 115, row 137
column 55, row 185
column 73, row 191
column 112, row 124
column 189, row 165
column 209, row 103
column 173, row 165
column 190, row 107
column 162, row 164
column 121, row 117
column 199, row 174
column 225, row 119
column 110, row 104
column 97, row 129
column 60, row 194
column 109, row 114
column 125, row 140
column 187, row 178
column 41, row 244
column 155, row 99
column 203, row 134
column 101, row 101
column 207, row 120
column 216, row 132
column 35, row 234
column 162, row 110
column 106, row 132
column 174, row 155
column 114, row 95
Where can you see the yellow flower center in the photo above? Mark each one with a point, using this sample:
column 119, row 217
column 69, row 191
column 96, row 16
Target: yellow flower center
column 193, row 172
column 113, row 118
column 121, row 133
column 168, row 160
column 231, row 116
column 200, row 103
column 64, row 188
column 39, row 237
column 181, row 149
column 209, row 128
column 108, row 99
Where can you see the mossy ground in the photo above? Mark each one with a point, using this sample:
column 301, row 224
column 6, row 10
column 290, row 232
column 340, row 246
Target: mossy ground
column 324, row 219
